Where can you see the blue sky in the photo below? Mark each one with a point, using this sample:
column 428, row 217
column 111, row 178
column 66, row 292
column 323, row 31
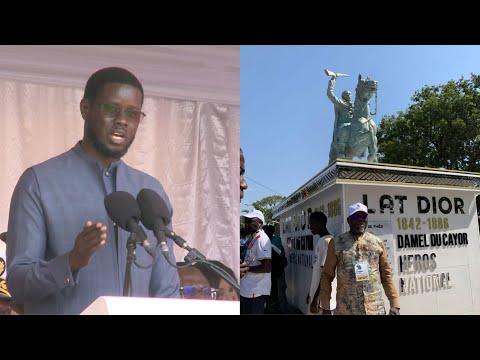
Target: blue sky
column 286, row 119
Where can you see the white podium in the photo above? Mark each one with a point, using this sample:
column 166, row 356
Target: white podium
column 122, row 305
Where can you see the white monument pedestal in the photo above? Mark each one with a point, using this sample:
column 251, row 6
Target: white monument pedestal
column 121, row 305
column 428, row 219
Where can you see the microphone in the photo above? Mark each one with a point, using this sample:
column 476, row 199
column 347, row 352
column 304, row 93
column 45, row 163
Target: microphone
column 155, row 215
column 124, row 211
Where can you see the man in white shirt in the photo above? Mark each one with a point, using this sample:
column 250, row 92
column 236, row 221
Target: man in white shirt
column 318, row 226
column 255, row 277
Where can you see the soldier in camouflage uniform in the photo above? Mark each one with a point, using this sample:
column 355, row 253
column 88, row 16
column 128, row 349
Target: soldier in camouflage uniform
column 362, row 266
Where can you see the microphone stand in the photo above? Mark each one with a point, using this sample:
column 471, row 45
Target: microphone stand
column 131, row 246
column 195, row 255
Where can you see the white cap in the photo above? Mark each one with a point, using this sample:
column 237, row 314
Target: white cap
column 356, row 208
column 255, row 214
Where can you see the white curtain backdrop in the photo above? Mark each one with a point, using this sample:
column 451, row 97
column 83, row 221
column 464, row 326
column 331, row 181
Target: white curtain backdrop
column 189, row 142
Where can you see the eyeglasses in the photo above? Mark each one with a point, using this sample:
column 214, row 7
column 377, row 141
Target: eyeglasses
column 113, row 111
column 191, row 292
column 359, row 216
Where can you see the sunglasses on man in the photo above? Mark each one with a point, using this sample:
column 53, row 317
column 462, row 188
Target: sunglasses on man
column 359, row 216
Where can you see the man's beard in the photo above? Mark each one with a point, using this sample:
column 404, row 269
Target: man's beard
column 361, row 229
column 103, row 149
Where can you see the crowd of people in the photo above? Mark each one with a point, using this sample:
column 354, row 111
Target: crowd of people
column 357, row 259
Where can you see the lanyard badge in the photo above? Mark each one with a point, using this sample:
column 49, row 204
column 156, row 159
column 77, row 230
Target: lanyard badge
column 361, row 267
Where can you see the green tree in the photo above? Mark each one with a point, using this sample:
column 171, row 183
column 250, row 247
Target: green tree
column 266, row 206
column 440, row 129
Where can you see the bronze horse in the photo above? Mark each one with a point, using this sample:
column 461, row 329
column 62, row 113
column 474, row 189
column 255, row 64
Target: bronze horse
column 363, row 133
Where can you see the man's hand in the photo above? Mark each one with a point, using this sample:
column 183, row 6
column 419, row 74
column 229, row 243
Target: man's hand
column 332, row 74
column 394, row 311
column 243, row 269
column 91, row 239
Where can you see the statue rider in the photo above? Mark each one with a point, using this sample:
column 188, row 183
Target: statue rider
column 343, row 117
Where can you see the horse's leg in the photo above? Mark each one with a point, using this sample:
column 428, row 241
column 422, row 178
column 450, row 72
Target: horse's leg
column 372, row 147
